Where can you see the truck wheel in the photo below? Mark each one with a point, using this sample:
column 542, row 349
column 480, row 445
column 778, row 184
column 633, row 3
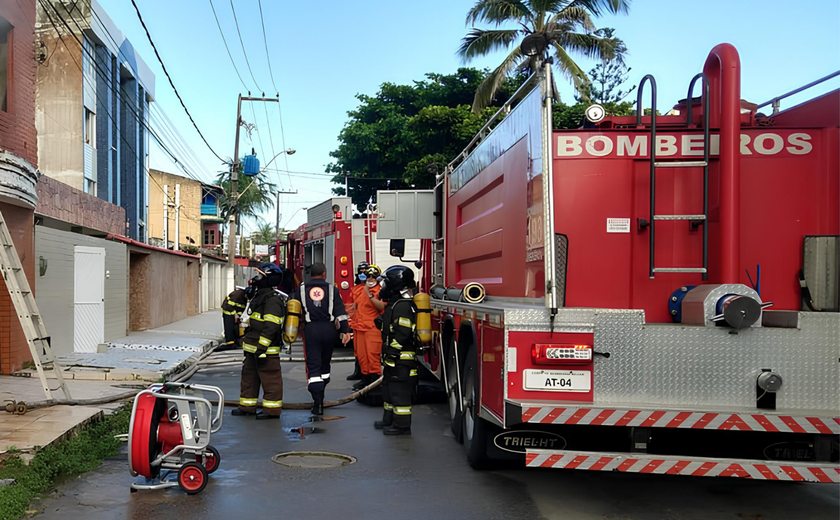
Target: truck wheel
column 453, row 392
column 476, row 430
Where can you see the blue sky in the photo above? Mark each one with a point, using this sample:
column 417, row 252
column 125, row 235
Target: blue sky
column 324, row 53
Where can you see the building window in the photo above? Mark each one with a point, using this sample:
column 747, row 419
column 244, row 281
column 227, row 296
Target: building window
column 90, row 186
column 209, row 237
column 90, row 128
column 5, row 41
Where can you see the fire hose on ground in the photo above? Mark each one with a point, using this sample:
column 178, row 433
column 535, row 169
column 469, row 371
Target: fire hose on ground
column 203, row 362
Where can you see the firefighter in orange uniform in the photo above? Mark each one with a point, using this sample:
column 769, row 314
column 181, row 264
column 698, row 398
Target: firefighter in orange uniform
column 367, row 339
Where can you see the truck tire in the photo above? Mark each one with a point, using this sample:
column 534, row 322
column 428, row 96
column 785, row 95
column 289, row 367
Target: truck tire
column 453, row 392
column 476, row 431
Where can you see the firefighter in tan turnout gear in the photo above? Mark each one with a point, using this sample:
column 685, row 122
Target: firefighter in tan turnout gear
column 261, row 345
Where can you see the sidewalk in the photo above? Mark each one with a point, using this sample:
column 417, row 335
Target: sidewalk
column 137, row 359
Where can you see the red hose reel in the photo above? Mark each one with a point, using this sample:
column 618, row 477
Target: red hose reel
column 169, row 436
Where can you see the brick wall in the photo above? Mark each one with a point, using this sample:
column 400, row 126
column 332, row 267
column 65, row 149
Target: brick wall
column 17, row 125
column 13, row 348
column 18, row 137
column 62, row 202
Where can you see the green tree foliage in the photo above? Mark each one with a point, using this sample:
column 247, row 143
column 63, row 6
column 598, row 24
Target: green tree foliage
column 566, row 25
column 266, row 234
column 392, row 138
column 607, row 78
column 256, row 195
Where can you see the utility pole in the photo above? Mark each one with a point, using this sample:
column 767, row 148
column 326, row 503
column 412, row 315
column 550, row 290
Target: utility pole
column 166, row 216
column 177, row 241
column 277, row 222
column 234, row 190
column 234, row 181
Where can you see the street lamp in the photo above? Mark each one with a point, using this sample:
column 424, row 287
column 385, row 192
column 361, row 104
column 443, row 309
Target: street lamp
column 534, row 44
column 290, row 151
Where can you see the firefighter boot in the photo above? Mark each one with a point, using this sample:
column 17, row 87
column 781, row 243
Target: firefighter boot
column 317, row 408
column 357, row 373
column 236, row 412
column 363, row 382
column 261, row 415
column 387, row 420
column 396, row 430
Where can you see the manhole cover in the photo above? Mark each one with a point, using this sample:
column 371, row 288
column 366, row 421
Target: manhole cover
column 313, row 459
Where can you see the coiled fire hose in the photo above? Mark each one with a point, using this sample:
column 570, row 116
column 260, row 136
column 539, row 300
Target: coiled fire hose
column 473, row 292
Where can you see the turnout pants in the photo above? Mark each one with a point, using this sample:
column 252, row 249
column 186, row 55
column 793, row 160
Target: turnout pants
column 399, row 388
column 319, row 339
column 367, row 347
column 265, row 372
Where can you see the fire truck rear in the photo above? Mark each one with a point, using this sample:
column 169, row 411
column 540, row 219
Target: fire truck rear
column 662, row 291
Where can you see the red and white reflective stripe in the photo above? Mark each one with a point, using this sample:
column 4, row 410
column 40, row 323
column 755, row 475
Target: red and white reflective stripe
column 662, row 465
column 756, row 422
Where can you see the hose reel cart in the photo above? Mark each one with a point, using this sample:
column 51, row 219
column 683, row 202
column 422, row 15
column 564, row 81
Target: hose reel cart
column 169, row 436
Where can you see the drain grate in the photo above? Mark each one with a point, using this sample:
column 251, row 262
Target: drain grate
column 313, row 459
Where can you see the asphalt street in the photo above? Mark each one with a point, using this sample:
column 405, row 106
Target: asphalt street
column 424, row 476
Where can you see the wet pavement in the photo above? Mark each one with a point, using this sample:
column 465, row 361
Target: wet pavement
column 424, row 476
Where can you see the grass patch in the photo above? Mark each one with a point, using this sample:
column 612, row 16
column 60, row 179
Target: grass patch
column 77, row 455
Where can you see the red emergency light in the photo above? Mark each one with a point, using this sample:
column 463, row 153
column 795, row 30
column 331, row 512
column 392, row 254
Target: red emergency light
column 563, row 354
column 338, row 215
column 344, row 273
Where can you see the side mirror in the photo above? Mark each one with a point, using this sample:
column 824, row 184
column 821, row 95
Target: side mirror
column 397, row 247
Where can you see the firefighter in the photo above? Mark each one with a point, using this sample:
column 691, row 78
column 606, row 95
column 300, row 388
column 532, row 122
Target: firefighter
column 232, row 308
column 261, row 345
column 326, row 321
column 399, row 347
column 367, row 338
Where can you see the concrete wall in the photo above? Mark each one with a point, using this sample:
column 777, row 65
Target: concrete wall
column 190, row 201
column 164, row 288
column 55, row 292
column 60, row 115
column 213, row 278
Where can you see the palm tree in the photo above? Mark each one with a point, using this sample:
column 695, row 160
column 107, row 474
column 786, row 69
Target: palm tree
column 265, row 233
column 565, row 24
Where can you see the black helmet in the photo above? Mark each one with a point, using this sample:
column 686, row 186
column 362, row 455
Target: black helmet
column 268, row 275
column 396, row 279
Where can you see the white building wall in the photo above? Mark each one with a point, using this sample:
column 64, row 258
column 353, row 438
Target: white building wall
column 54, row 290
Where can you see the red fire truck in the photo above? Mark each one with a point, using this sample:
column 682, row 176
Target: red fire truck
column 662, row 291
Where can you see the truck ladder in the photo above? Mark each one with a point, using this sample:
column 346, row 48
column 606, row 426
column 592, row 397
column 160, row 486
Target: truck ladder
column 27, row 310
column 701, row 219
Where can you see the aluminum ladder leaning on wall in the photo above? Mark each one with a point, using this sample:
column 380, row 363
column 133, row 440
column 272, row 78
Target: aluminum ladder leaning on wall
column 27, row 310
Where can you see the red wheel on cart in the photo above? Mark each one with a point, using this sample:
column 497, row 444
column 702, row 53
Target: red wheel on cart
column 192, row 478
column 213, row 459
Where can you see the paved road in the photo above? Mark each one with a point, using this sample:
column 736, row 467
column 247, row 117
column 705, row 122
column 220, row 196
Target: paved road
column 424, row 476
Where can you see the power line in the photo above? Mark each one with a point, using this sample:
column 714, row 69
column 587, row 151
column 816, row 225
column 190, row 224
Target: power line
column 235, row 21
column 219, row 25
column 101, row 74
column 157, row 54
column 152, row 106
column 265, row 39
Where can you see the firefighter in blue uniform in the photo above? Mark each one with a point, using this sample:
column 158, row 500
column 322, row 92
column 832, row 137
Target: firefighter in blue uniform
column 261, row 345
column 399, row 350
column 325, row 321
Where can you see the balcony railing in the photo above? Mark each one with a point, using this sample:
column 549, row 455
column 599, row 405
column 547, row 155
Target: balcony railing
column 210, row 210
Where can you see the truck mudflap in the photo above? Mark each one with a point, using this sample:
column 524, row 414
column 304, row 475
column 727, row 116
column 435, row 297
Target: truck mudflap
column 680, row 465
column 753, row 421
